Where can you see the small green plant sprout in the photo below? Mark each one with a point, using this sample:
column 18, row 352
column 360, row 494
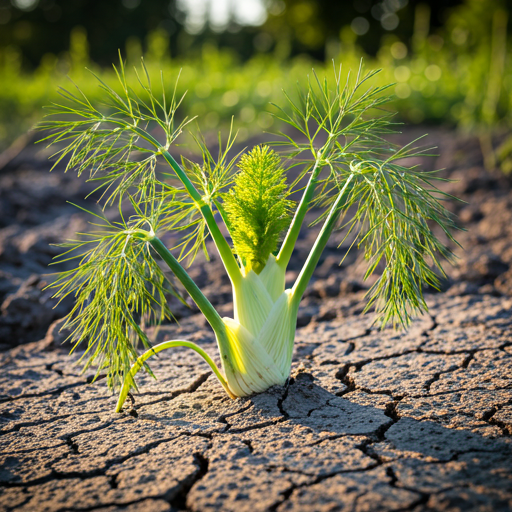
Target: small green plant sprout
column 335, row 136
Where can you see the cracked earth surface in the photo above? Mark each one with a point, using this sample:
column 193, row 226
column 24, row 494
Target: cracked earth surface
column 418, row 421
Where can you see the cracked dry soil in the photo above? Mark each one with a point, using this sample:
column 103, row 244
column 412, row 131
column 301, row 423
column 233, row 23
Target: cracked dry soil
column 370, row 421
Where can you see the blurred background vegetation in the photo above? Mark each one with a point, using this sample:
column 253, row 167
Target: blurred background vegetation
column 450, row 61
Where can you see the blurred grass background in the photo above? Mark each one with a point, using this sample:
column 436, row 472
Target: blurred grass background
column 450, row 61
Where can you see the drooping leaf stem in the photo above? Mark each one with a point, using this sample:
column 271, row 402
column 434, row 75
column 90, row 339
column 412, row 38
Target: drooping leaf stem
column 323, row 237
column 129, row 379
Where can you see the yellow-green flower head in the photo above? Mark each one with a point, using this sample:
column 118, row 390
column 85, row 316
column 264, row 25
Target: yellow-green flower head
column 257, row 207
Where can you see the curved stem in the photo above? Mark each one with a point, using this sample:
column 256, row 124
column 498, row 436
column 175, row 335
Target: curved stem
column 129, row 382
column 204, row 305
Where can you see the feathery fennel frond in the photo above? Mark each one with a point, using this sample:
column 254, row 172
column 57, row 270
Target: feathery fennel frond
column 181, row 214
column 344, row 127
column 337, row 111
column 257, row 208
column 397, row 207
column 111, row 142
column 337, row 120
column 214, row 175
column 118, row 288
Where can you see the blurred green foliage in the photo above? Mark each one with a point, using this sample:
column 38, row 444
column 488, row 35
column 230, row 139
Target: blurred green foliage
column 458, row 74
column 287, row 27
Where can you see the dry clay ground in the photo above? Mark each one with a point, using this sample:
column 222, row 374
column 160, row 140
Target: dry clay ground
column 370, row 420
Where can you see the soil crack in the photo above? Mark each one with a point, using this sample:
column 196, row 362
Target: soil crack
column 179, row 502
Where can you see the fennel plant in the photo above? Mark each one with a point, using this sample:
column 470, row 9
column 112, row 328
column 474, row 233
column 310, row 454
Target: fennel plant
column 335, row 137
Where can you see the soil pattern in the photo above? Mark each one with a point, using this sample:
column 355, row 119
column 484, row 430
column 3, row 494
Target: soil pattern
column 369, row 420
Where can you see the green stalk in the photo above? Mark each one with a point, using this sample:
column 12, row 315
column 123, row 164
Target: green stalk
column 193, row 290
column 285, row 253
column 309, row 266
column 129, row 379
column 225, row 251
column 224, row 215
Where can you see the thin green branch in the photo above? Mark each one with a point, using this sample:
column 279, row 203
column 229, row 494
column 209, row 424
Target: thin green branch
column 129, row 381
column 316, row 251
column 285, row 253
column 223, row 247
